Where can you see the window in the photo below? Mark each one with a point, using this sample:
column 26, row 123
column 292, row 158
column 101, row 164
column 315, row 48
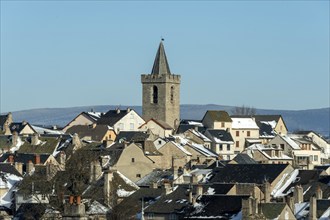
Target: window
column 222, row 124
column 138, row 175
column 248, row 133
column 159, row 141
column 131, row 126
column 173, row 216
column 228, row 147
column 237, row 143
column 132, row 116
column 121, row 126
column 172, row 94
column 154, row 94
column 237, row 133
column 220, row 146
column 133, row 160
column 150, row 216
column 316, row 158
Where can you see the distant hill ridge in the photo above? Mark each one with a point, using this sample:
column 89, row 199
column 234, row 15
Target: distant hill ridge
column 313, row 119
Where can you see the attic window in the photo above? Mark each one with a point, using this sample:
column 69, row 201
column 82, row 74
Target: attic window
column 138, row 175
column 133, row 160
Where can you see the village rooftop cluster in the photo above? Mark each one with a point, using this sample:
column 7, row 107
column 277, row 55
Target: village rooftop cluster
column 122, row 165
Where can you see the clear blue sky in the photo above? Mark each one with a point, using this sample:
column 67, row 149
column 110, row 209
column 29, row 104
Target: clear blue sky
column 271, row 54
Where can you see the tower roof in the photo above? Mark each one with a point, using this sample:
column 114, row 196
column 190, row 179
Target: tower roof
column 161, row 66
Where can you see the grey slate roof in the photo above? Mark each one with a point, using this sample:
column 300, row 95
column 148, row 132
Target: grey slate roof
column 96, row 133
column 134, row 202
column 132, row 136
column 161, row 66
column 223, row 135
column 247, row 173
column 8, row 168
column 244, row 159
column 322, row 205
column 218, row 207
column 3, row 119
column 217, row 115
column 174, row 202
column 156, row 176
column 272, row 210
column 111, row 117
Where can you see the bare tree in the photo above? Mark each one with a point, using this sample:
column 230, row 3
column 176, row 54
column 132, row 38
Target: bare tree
column 244, row 110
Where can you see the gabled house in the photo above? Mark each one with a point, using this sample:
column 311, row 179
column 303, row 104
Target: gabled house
column 122, row 120
column 196, row 136
column 157, row 127
column 222, row 143
column 251, row 173
column 93, row 132
column 269, row 126
column 84, row 118
column 22, row 128
column 170, row 153
column 214, row 119
column 268, row 154
column 244, row 131
column 133, row 163
column 304, row 153
column 317, row 139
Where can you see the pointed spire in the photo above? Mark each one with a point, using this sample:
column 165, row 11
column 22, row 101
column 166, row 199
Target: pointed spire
column 161, row 66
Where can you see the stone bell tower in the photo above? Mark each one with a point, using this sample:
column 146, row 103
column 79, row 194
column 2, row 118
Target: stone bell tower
column 161, row 91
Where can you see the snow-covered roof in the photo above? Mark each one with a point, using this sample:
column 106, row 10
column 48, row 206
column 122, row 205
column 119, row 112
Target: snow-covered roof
column 244, row 123
column 199, row 134
column 8, row 181
column 271, row 123
column 200, row 148
column 42, row 130
column 291, row 142
column 181, row 148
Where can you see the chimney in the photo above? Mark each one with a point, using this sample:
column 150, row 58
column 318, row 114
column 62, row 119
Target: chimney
column 108, row 176
column 11, row 159
column 76, row 141
column 298, row 194
column 167, row 187
column 312, row 209
column 199, row 191
column 290, row 202
column 319, row 193
column 118, row 111
column 71, row 199
column 62, row 159
column 154, row 185
column 10, row 118
column 128, row 109
column 37, row 159
column 175, row 168
column 267, row 191
column 15, row 138
column 35, row 139
column 78, row 200
column 6, row 129
column 19, row 167
column 249, row 207
column 24, row 122
column 95, row 170
column 190, row 196
column 29, row 166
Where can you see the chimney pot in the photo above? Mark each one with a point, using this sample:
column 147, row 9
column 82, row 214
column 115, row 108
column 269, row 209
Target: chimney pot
column 37, row 159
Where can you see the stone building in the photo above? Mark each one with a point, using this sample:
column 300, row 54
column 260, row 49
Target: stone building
column 161, row 91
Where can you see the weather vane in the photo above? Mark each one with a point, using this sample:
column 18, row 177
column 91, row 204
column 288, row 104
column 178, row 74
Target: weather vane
column 162, row 39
